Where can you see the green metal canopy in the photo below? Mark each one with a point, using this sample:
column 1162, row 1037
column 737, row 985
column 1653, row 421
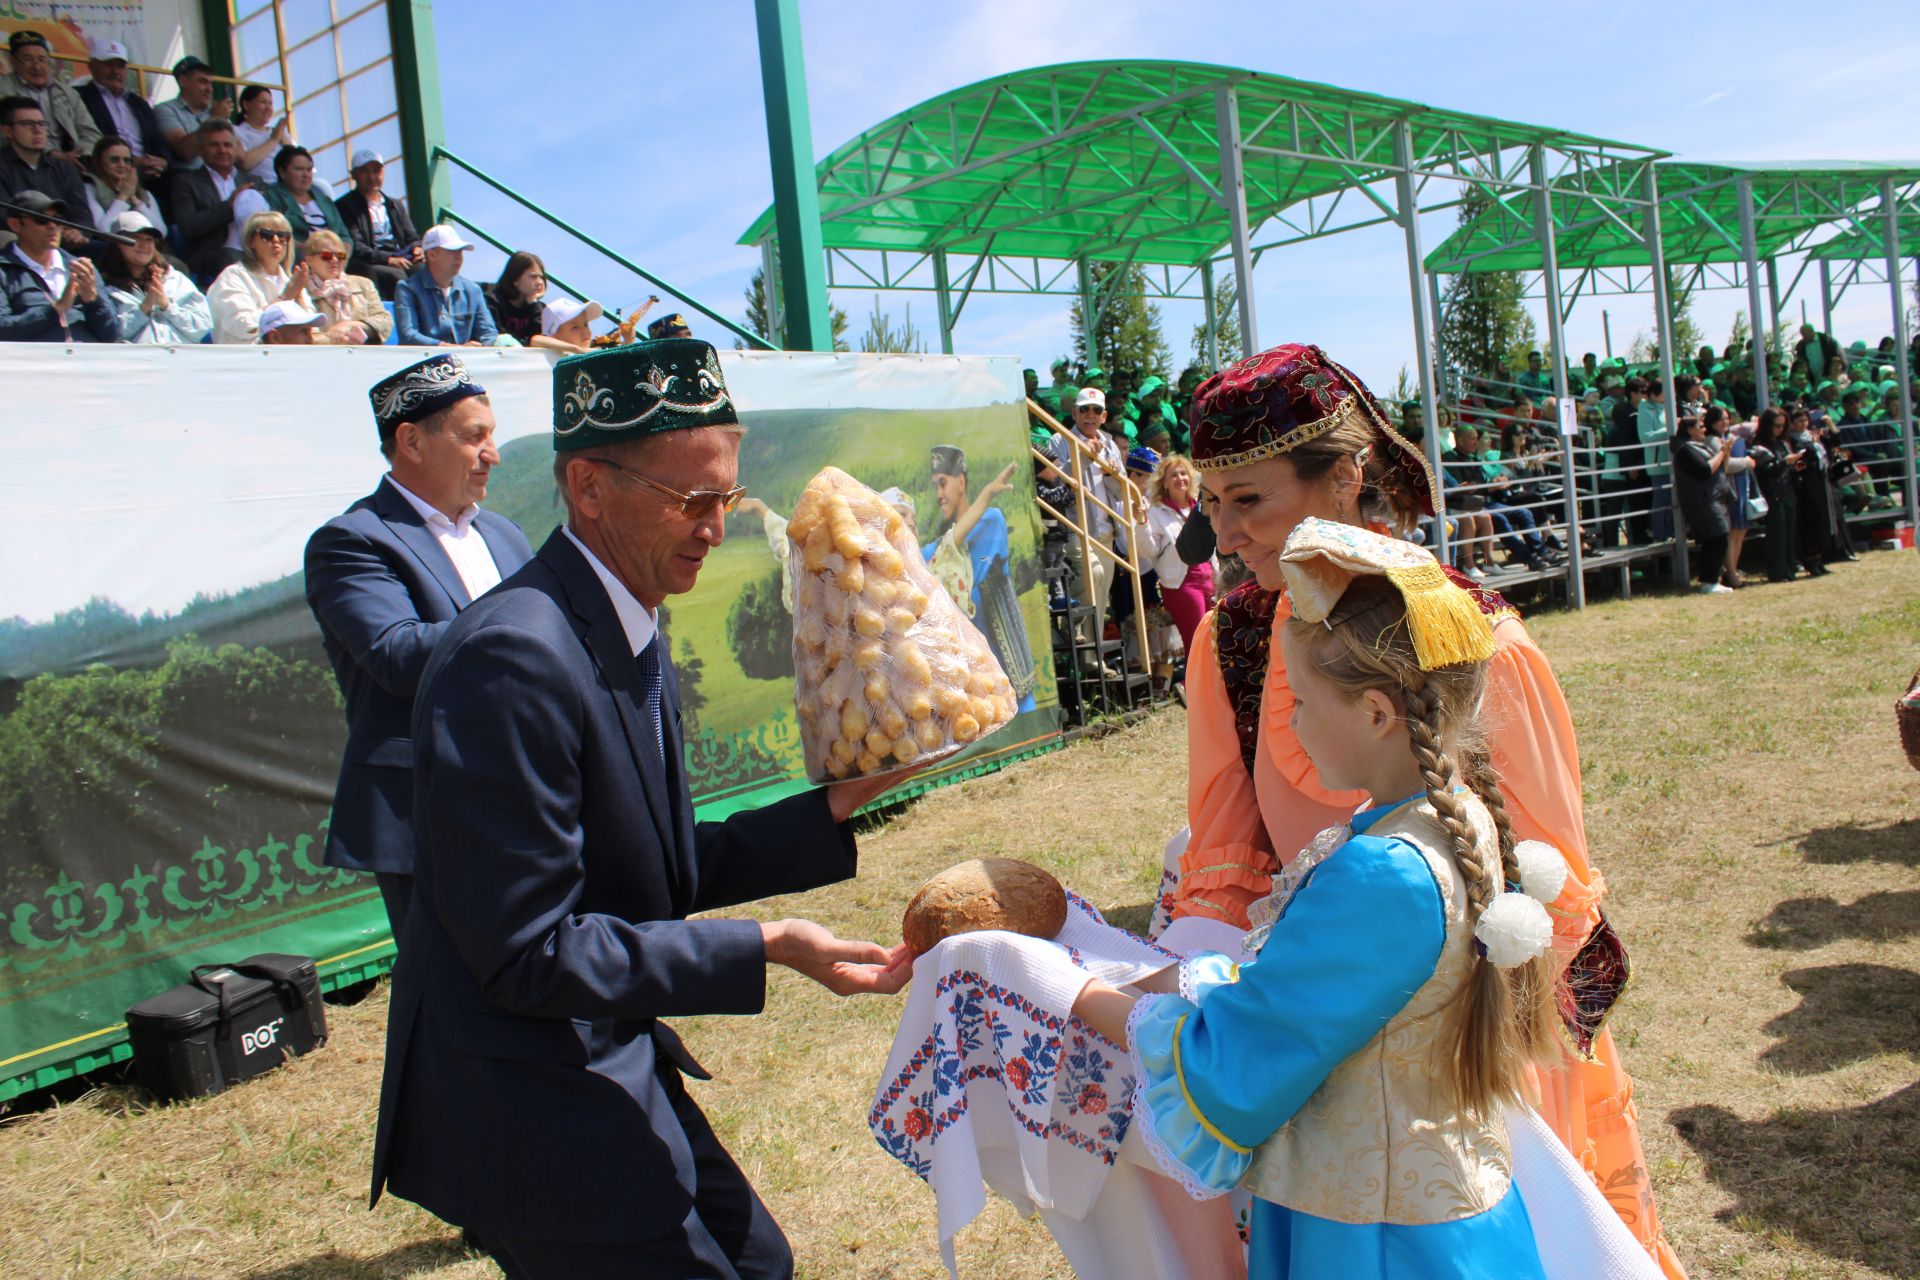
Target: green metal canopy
column 1125, row 160
column 1700, row 217
column 1870, row 241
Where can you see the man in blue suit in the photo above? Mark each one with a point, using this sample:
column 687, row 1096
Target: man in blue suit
column 532, row 1093
column 439, row 307
column 385, row 579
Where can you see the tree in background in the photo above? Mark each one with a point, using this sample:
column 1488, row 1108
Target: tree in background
column 760, row 630
column 1740, row 334
column 883, row 337
column 1487, row 331
column 1226, row 325
column 760, row 320
column 1128, row 334
column 1687, row 335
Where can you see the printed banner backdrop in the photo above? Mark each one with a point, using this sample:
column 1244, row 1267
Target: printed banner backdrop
column 70, row 27
column 170, row 730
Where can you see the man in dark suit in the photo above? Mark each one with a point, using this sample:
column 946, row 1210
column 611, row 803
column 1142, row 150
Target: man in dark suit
column 203, row 201
column 385, row 245
column 126, row 116
column 385, row 579
column 532, row 1093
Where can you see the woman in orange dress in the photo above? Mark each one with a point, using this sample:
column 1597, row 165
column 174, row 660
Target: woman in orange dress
column 1288, row 434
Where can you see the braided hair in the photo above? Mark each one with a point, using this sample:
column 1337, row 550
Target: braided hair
column 1505, row 1018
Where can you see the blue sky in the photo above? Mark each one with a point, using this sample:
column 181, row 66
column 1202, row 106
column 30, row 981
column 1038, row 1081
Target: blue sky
column 644, row 124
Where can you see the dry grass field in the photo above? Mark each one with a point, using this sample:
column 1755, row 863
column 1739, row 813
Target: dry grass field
column 1747, row 801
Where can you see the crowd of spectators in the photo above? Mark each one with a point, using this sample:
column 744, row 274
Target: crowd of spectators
column 1831, row 450
column 198, row 214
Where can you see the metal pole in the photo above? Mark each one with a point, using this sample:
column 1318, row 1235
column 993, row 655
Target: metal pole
column 1890, row 206
column 796, row 195
column 1433, row 445
column 1409, row 206
column 1543, row 230
column 1826, row 296
column 416, row 82
column 1089, row 318
column 1234, row 187
column 1773, row 293
column 1211, row 346
column 1743, row 187
column 1663, row 329
column 1606, row 331
column 943, row 296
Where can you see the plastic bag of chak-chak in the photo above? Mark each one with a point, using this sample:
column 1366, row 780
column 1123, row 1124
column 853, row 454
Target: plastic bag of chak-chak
column 888, row 673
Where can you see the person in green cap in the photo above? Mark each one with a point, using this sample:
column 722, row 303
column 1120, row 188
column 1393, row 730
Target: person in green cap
column 1155, row 412
column 1535, row 380
column 533, row 1094
column 1063, row 392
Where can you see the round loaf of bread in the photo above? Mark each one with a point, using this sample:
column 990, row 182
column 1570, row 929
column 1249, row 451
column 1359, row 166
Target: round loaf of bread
column 986, row 893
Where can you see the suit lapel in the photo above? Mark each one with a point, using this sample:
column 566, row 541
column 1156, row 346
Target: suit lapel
column 606, row 640
column 506, row 556
column 411, row 530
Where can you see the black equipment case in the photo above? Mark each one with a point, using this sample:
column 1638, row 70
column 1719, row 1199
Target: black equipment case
column 225, row 1024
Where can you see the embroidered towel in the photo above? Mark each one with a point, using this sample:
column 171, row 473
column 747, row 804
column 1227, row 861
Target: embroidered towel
column 991, row 1081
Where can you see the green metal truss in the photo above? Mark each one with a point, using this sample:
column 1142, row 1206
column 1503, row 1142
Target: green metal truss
column 1700, row 217
column 1124, row 161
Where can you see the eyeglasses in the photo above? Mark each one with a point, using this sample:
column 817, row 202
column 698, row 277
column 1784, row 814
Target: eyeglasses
column 693, row 506
column 114, row 159
column 18, row 123
column 36, row 219
column 328, row 255
column 272, row 235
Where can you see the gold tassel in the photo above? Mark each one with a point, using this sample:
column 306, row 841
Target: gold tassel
column 1448, row 628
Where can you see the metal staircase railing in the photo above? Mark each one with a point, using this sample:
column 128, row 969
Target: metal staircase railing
column 441, row 155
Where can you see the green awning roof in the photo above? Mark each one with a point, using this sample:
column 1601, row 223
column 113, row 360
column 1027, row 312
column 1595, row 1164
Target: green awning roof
column 1699, row 217
column 1120, row 160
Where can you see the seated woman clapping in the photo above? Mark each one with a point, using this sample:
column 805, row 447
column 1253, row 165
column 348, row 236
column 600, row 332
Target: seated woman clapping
column 349, row 304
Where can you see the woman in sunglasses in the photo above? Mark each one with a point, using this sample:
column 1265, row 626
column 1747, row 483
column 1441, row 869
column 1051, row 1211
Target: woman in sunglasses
column 350, row 304
column 261, row 278
column 115, row 187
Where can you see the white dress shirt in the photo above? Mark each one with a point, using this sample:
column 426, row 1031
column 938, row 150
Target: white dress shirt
column 52, row 278
column 123, row 122
column 472, row 558
column 638, row 621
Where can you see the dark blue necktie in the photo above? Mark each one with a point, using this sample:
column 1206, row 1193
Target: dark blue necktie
column 652, row 685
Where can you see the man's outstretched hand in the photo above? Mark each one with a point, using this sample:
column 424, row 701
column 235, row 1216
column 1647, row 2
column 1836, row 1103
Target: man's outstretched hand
column 842, row 966
column 844, row 799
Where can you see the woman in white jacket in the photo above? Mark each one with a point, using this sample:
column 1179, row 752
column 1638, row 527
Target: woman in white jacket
column 261, row 278
column 114, row 187
column 156, row 302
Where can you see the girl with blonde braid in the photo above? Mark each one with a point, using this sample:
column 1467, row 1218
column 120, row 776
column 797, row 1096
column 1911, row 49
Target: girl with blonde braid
column 1354, row 1074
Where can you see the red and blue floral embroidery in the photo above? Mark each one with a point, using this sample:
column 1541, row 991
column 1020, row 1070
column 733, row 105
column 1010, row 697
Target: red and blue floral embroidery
column 1061, row 1078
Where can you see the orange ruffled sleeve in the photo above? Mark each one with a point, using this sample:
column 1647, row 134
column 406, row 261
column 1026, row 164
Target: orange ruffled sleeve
column 1229, row 862
column 1530, row 734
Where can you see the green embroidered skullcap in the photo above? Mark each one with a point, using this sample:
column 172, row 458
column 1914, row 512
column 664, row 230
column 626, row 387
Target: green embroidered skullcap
column 638, row 390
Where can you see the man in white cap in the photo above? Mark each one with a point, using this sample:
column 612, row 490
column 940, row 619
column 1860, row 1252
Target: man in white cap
column 1098, row 466
column 386, row 248
column 566, row 324
column 123, row 115
column 437, row 306
column 287, row 323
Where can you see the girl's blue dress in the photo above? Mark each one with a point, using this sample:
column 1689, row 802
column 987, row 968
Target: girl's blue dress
column 1225, row 1070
